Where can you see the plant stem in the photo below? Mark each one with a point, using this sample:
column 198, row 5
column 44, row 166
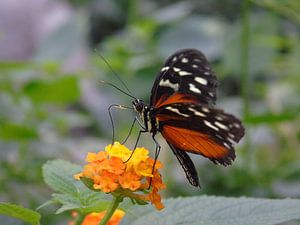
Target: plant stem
column 245, row 68
column 79, row 219
column 111, row 209
column 245, row 57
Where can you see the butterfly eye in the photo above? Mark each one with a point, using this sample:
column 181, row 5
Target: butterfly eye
column 138, row 105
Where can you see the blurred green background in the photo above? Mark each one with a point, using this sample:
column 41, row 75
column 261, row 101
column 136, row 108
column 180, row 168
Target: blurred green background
column 52, row 104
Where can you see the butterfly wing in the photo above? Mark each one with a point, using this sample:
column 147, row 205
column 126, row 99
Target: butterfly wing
column 186, row 72
column 180, row 100
column 187, row 165
column 201, row 130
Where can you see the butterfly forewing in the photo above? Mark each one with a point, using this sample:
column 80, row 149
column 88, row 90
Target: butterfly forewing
column 187, row 72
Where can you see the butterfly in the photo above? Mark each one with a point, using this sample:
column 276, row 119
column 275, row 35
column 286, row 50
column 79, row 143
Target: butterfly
column 181, row 109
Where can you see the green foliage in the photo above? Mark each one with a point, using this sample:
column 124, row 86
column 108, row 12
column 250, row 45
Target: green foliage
column 11, row 131
column 269, row 118
column 19, row 212
column 73, row 194
column 61, row 90
column 208, row 210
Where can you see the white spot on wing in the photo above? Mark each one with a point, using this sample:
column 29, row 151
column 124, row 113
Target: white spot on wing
column 164, row 68
column 184, row 60
column 204, row 109
column 175, row 110
column 194, row 89
column 201, row 80
column 221, row 125
column 207, row 123
column 226, row 145
column 236, row 125
column 231, row 135
column 196, row 113
column 184, row 73
column 206, row 73
column 195, row 66
column 167, row 83
column 174, row 59
column 176, row 69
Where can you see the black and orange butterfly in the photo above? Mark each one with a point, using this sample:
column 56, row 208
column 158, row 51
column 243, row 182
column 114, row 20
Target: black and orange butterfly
column 181, row 109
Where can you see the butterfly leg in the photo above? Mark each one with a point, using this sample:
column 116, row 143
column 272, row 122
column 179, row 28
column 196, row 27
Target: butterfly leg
column 131, row 128
column 136, row 143
column 138, row 138
column 157, row 151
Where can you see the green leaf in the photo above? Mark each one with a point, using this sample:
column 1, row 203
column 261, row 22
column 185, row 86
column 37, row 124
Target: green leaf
column 62, row 90
column 12, row 131
column 58, row 174
column 211, row 210
column 68, row 202
column 81, row 203
column 19, row 212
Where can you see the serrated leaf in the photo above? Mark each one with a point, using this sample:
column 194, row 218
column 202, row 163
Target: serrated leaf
column 62, row 90
column 68, row 202
column 210, row 210
column 58, row 174
column 83, row 203
column 19, row 212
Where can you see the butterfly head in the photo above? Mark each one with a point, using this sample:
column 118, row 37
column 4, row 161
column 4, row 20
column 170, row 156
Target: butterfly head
column 138, row 105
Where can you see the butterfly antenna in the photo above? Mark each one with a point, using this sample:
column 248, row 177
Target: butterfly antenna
column 111, row 69
column 119, row 89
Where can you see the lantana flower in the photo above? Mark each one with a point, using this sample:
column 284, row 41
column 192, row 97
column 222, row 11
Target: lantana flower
column 95, row 218
column 125, row 173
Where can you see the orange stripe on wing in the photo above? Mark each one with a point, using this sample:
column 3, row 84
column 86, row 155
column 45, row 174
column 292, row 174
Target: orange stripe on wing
column 175, row 98
column 194, row 142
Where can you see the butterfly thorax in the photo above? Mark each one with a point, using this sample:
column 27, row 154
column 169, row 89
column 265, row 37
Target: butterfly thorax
column 146, row 115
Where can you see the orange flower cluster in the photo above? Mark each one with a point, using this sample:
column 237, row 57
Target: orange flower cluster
column 95, row 218
column 111, row 171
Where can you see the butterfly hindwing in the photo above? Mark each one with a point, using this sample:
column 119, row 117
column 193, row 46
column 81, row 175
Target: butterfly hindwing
column 187, row 72
column 187, row 165
column 201, row 130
